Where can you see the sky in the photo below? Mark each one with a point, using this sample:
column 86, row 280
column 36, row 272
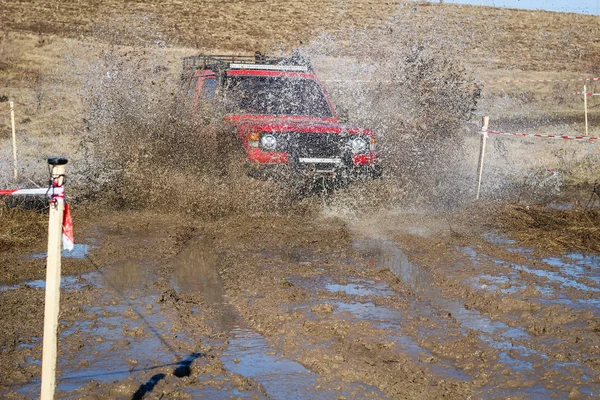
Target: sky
column 574, row 6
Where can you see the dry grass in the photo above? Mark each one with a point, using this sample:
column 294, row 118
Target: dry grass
column 559, row 230
column 20, row 227
column 493, row 37
column 10, row 54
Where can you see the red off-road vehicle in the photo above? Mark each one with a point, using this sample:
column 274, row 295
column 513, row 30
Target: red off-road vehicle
column 279, row 114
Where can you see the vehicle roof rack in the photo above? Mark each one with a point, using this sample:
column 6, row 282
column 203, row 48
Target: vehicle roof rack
column 219, row 63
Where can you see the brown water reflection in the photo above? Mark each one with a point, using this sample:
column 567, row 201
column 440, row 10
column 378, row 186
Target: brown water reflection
column 196, row 271
column 127, row 274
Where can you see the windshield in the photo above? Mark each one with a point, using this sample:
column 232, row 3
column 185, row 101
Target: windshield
column 276, row 95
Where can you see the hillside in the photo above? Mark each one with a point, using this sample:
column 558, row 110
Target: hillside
column 492, row 37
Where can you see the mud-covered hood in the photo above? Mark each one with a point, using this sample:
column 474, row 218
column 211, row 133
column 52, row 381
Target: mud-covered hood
column 267, row 123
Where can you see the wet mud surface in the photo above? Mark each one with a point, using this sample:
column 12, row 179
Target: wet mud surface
column 298, row 307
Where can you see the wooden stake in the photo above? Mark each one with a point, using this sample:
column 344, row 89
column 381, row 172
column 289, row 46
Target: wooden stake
column 55, row 223
column 14, row 139
column 585, row 108
column 484, row 136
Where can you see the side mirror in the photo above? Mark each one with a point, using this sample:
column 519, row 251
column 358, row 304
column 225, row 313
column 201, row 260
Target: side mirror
column 342, row 114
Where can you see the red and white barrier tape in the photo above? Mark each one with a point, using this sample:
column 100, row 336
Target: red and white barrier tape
column 56, row 193
column 539, row 80
column 588, row 94
column 495, row 81
column 540, row 136
column 68, row 237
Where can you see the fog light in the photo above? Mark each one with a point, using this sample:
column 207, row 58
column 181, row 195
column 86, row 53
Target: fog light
column 253, row 138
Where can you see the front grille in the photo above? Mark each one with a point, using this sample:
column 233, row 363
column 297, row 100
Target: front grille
column 323, row 167
column 315, row 145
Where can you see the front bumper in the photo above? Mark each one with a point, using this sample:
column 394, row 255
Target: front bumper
column 282, row 166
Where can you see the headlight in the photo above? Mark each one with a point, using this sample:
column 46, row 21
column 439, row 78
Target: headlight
column 268, row 142
column 358, row 145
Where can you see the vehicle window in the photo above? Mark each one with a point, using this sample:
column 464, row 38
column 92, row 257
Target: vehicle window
column 208, row 89
column 279, row 95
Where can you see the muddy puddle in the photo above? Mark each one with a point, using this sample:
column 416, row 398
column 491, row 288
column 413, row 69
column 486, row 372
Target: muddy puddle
column 139, row 337
column 574, row 266
column 578, row 266
column 362, row 288
column 80, row 251
column 126, row 336
column 515, row 350
column 361, row 306
column 420, row 281
column 572, row 280
column 247, row 352
column 132, row 336
column 249, row 355
column 67, row 283
column 118, row 348
column 393, row 320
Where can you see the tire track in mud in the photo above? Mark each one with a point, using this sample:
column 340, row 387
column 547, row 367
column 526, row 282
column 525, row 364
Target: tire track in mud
column 246, row 352
column 300, row 287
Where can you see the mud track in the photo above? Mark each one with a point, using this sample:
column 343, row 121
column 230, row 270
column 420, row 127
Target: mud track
column 407, row 306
